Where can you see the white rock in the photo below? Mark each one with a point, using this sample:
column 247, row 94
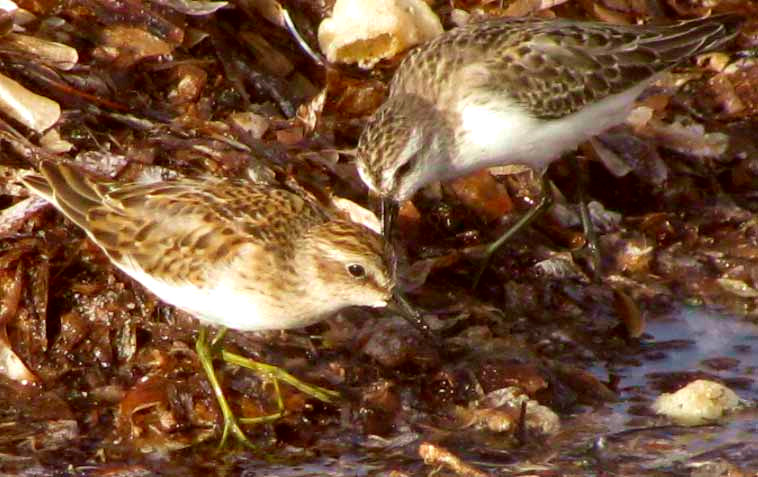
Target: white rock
column 8, row 6
column 366, row 31
column 357, row 214
column 30, row 109
column 697, row 403
column 11, row 365
column 58, row 55
column 53, row 142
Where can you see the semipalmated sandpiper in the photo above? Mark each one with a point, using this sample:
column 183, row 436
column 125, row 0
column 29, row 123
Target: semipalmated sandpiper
column 515, row 91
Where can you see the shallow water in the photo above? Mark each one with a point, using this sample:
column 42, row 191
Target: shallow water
column 623, row 437
column 695, row 340
column 682, row 346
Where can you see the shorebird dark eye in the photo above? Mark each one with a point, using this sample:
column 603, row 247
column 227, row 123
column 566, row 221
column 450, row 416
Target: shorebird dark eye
column 403, row 170
column 356, row 270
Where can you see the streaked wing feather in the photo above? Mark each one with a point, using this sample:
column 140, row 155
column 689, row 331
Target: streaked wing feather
column 72, row 201
column 74, row 193
column 563, row 66
column 554, row 67
column 209, row 219
column 162, row 227
column 38, row 185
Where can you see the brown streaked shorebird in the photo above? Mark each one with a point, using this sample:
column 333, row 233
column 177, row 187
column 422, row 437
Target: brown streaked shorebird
column 515, row 91
column 231, row 253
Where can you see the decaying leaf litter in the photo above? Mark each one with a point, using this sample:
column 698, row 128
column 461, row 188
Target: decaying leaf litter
column 544, row 371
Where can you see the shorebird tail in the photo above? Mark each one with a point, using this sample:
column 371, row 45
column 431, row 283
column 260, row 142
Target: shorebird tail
column 67, row 189
column 674, row 43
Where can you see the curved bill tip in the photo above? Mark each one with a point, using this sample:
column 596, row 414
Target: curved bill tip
column 400, row 305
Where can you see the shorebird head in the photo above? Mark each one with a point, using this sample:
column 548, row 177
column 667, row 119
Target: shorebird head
column 346, row 264
column 396, row 153
column 392, row 150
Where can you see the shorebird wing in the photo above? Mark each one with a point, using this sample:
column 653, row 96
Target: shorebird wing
column 173, row 230
column 556, row 68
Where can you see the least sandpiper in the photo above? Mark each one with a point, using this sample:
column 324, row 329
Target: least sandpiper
column 230, row 252
column 515, row 91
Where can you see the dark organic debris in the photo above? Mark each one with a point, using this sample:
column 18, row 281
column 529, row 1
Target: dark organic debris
column 540, row 369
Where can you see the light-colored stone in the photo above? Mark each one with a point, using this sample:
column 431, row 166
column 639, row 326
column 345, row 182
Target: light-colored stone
column 697, row 403
column 367, row 31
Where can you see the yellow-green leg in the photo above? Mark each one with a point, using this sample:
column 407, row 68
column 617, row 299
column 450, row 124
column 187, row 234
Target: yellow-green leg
column 545, row 202
column 205, row 352
column 278, row 374
column 205, row 355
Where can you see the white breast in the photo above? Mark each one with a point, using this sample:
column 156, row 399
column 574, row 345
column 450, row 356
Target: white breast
column 501, row 132
column 222, row 303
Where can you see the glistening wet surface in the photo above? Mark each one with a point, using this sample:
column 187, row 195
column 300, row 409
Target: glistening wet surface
column 622, row 438
column 691, row 343
column 174, row 89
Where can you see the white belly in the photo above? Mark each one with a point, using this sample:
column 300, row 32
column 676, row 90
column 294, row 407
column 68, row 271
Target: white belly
column 501, row 134
column 225, row 304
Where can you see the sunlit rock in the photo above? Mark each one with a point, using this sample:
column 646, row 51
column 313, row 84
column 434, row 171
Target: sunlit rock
column 367, row 31
column 697, row 403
